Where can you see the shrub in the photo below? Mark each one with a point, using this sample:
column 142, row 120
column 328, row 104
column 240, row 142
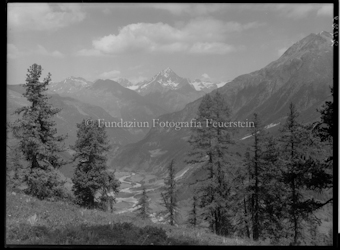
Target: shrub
column 44, row 184
column 153, row 235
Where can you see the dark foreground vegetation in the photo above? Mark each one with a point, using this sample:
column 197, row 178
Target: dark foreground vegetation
column 33, row 221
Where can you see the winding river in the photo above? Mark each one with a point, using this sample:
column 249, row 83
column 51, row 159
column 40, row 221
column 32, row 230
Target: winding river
column 131, row 187
column 128, row 190
column 131, row 191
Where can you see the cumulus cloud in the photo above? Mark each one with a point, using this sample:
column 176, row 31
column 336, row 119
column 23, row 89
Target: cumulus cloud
column 13, row 52
column 43, row 16
column 199, row 36
column 42, row 51
column 205, row 76
column 112, row 75
column 137, row 79
column 211, row 48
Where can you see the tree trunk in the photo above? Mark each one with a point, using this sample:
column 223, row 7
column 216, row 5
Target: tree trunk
column 246, row 215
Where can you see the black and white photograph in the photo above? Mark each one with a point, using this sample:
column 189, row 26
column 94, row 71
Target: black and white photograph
column 138, row 124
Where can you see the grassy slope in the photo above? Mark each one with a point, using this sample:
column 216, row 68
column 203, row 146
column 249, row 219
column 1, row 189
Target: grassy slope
column 31, row 221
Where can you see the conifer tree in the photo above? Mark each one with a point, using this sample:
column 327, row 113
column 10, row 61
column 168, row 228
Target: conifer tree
column 143, row 206
column 256, row 175
column 273, row 225
column 325, row 132
column 292, row 138
column 209, row 147
column 193, row 214
column 301, row 170
column 169, row 196
column 15, row 171
column 241, row 202
column 249, row 183
column 37, row 135
column 109, row 188
column 258, row 189
column 91, row 175
column 325, row 127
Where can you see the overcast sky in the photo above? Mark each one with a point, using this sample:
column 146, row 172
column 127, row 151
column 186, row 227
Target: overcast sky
column 136, row 41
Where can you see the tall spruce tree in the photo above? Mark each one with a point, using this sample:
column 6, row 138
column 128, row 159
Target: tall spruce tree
column 241, row 198
column 143, row 206
column 38, row 139
column 15, row 171
column 273, row 192
column 301, row 170
column 193, row 214
column 325, row 132
column 249, row 184
column 209, row 147
column 293, row 148
column 169, row 196
column 326, row 127
column 256, row 175
column 91, row 175
column 108, row 191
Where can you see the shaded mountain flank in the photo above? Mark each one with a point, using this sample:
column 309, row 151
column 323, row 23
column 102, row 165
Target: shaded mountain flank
column 302, row 75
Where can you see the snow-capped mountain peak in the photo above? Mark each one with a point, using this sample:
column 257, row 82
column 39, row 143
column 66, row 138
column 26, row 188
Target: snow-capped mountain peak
column 201, row 85
column 167, row 72
column 77, row 81
column 70, row 84
column 124, row 82
column 165, row 80
column 127, row 84
column 206, row 85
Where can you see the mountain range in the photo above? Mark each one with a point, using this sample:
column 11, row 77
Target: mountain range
column 302, row 75
column 163, row 93
column 167, row 80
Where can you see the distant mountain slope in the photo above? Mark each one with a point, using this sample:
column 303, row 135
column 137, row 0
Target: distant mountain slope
column 174, row 100
column 204, row 86
column 73, row 112
column 70, row 84
column 119, row 102
column 302, row 75
column 126, row 83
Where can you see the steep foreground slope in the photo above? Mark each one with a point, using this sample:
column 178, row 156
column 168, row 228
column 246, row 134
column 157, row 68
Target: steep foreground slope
column 302, row 75
column 31, row 221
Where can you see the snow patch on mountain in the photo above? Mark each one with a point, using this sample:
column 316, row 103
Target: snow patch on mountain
column 200, row 85
column 133, row 87
column 166, row 72
column 221, row 84
column 69, row 84
column 266, row 127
